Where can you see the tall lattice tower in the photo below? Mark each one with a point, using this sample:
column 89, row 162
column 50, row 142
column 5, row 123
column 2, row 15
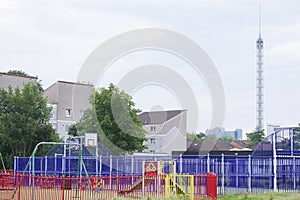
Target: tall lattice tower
column 259, row 79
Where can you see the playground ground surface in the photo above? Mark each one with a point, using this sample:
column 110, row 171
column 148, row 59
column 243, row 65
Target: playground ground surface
column 245, row 196
column 266, row 196
column 54, row 194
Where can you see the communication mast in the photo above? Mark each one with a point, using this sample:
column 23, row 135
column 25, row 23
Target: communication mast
column 259, row 79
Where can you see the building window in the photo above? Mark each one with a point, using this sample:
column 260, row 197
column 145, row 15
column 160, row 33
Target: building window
column 152, row 128
column 68, row 112
column 152, row 140
column 67, row 127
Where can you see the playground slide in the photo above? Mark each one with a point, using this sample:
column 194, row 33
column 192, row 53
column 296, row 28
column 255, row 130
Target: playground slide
column 137, row 185
column 179, row 189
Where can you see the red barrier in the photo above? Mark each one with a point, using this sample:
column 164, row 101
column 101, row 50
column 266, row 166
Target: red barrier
column 212, row 185
column 7, row 182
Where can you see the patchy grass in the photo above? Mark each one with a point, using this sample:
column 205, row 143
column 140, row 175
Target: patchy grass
column 266, row 196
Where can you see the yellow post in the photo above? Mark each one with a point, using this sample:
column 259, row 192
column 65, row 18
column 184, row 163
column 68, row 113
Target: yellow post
column 192, row 187
column 179, row 185
column 167, row 186
column 162, row 164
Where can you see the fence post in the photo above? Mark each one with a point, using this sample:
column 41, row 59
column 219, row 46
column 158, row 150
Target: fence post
column 15, row 165
column 110, row 170
column 63, row 188
column 294, row 173
column 63, row 160
column 41, row 165
column 100, row 167
column 132, row 169
column 33, row 178
column 223, row 175
column 96, row 170
column 208, row 163
column 236, row 171
column 117, row 167
column 143, row 180
column 46, row 164
column 29, row 171
column 274, row 162
column 70, row 159
column 180, row 164
column 132, row 163
column 19, row 186
column 249, row 173
column 96, row 160
column 55, row 156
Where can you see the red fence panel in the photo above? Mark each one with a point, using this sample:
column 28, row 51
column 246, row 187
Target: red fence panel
column 23, row 187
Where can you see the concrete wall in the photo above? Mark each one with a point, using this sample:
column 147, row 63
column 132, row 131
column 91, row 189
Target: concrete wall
column 169, row 136
column 15, row 81
column 71, row 100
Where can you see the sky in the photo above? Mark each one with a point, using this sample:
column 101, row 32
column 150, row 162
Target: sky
column 52, row 40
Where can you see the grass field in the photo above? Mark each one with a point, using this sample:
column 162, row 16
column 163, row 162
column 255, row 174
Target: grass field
column 267, row 196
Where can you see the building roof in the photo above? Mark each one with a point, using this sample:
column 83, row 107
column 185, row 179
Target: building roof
column 239, row 144
column 73, row 83
column 208, row 146
column 158, row 117
column 68, row 82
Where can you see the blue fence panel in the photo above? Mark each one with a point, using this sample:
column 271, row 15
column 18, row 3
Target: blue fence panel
column 105, row 165
column 21, row 164
column 235, row 173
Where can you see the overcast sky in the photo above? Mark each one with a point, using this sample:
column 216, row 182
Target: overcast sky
column 52, row 39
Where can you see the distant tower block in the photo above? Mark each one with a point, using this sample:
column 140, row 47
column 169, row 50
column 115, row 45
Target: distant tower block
column 259, row 81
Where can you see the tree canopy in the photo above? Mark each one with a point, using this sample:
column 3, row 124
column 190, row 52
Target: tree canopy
column 255, row 137
column 17, row 72
column 226, row 138
column 114, row 118
column 24, row 121
column 194, row 137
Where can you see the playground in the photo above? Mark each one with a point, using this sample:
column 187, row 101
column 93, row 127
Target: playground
column 72, row 170
column 150, row 185
column 159, row 179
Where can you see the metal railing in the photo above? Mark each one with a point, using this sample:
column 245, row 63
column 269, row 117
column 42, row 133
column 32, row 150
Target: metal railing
column 236, row 174
column 34, row 187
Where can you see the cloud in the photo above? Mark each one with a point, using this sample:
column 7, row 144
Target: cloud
column 286, row 52
column 53, row 38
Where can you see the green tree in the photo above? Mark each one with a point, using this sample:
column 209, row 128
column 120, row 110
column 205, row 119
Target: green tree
column 255, row 137
column 73, row 130
column 226, row 138
column 24, row 121
column 24, row 74
column 194, row 137
column 211, row 137
column 297, row 137
column 17, row 72
column 115, row 120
